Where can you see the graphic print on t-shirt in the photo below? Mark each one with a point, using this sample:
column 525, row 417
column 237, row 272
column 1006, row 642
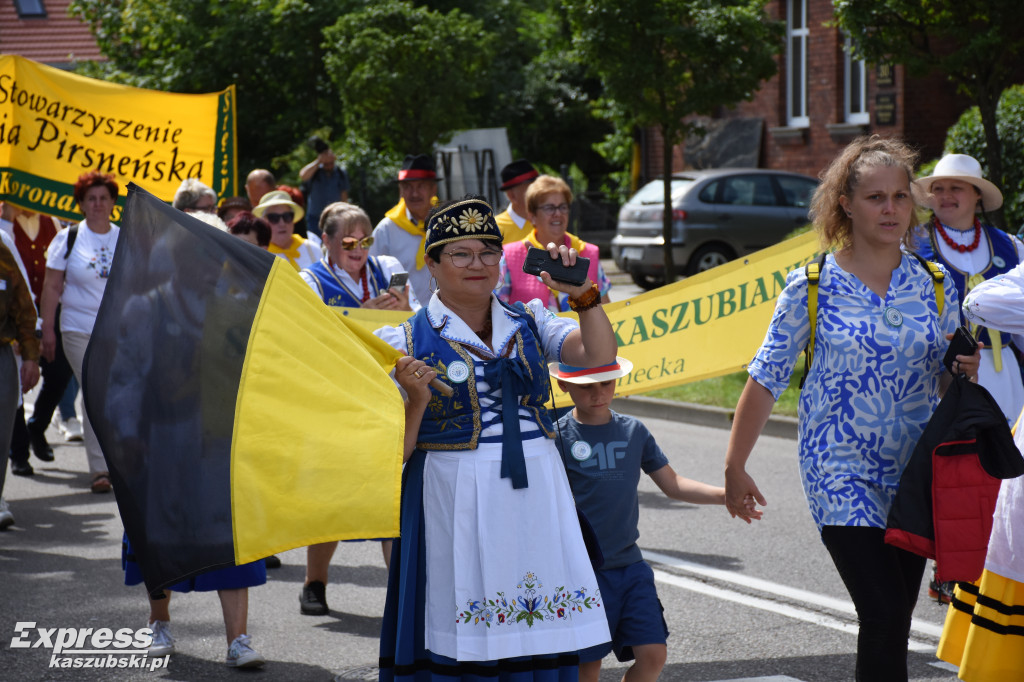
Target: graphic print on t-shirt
column 604, row 456
column 603, row 463
column 101, row 262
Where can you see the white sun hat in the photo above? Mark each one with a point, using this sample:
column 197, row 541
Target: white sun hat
column 966, row 169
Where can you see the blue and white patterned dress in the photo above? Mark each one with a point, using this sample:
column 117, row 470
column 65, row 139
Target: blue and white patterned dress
column 871, row 389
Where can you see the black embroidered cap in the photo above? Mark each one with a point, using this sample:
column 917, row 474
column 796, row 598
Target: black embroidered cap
column 468, row 218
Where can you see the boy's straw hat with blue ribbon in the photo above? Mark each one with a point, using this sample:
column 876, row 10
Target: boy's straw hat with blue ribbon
column 590, row 375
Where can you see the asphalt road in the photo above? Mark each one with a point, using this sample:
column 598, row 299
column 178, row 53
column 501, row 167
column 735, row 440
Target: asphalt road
column 742, row 602
column 759, row 602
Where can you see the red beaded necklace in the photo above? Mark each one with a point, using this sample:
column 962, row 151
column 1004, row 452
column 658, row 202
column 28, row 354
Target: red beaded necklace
column 962, row 248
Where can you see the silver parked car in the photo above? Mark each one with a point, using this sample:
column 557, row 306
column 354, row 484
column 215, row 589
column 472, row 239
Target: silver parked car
column 717, row 215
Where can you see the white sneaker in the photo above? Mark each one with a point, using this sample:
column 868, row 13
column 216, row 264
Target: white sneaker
column 163, row 643
column 6, row 517
column 72, row 430
column 241, row 655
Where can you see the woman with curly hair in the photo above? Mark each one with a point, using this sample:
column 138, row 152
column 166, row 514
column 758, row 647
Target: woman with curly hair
column 77, row 266
column 874, row 380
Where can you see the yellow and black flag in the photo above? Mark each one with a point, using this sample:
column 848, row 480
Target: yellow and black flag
column 239, row 415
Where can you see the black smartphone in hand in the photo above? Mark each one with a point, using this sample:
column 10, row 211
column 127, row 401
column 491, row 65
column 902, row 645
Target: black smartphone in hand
column 962, row 343
column 398, row 280
column 539, row 260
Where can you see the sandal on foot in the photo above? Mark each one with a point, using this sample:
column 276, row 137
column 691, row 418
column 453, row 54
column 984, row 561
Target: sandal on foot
column 101, row 484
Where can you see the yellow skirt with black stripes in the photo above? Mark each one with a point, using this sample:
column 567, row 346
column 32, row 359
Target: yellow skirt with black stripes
column 984, row 630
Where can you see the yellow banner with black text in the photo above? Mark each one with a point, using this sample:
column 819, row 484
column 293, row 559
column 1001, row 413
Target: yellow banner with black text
column 701, row 327
column 56, row 125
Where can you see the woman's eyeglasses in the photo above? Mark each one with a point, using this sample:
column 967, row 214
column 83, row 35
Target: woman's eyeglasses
column 463, row 259
column 551, row 209
column 275, row 218
column 350, row 243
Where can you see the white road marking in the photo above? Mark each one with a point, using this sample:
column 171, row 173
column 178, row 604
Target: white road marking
column 794, row 594
column 770, row 678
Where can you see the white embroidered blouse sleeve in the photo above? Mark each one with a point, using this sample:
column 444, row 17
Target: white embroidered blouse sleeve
column 998, row 303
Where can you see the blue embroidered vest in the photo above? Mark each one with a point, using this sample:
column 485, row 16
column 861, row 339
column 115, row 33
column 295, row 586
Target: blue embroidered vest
column 1004, row 258
column 334, row 293
column 455, row 423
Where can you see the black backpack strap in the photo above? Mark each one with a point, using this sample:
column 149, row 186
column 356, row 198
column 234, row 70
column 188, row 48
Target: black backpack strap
column 72, row 236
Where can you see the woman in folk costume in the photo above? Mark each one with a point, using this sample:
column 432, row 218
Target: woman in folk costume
column 984, row 632
column 491, row 577
column 973, row 252
column 348, row 276
column 547, row 206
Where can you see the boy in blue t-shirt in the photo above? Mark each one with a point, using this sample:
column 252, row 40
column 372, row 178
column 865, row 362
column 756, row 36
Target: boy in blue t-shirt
column 604, row 452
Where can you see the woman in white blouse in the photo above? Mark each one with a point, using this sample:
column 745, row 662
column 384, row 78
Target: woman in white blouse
column 76, row 277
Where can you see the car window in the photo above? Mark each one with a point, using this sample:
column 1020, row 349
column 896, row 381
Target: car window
column 654, row 191
column 710, row 192
column 747, row 190
column 797, row 191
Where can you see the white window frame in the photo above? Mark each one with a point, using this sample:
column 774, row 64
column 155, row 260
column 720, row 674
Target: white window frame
column 850, row 67
column 800, row 118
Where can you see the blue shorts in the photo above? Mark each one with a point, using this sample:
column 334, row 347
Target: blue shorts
column 635, row 614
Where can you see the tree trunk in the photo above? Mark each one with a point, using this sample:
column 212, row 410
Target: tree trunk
column 666, row 214
column 988, row 101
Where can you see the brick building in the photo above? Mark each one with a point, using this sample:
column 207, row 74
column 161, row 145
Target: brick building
column 819, row 101
column 43, row 31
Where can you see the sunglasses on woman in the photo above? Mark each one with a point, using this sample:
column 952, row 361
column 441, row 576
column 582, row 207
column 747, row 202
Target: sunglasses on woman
column 350, row 243
column 275, row 218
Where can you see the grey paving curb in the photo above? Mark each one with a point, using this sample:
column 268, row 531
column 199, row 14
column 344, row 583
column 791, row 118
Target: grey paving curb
column 704, row 415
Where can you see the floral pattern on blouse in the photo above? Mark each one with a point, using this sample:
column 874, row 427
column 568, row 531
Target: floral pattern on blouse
column 871, row 389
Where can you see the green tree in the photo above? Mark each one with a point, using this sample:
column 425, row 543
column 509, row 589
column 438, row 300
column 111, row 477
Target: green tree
column 273, row 51
column 270, row 49
column 975, row 43
column 663, row 61
column 407, row 77
column 548, row 103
